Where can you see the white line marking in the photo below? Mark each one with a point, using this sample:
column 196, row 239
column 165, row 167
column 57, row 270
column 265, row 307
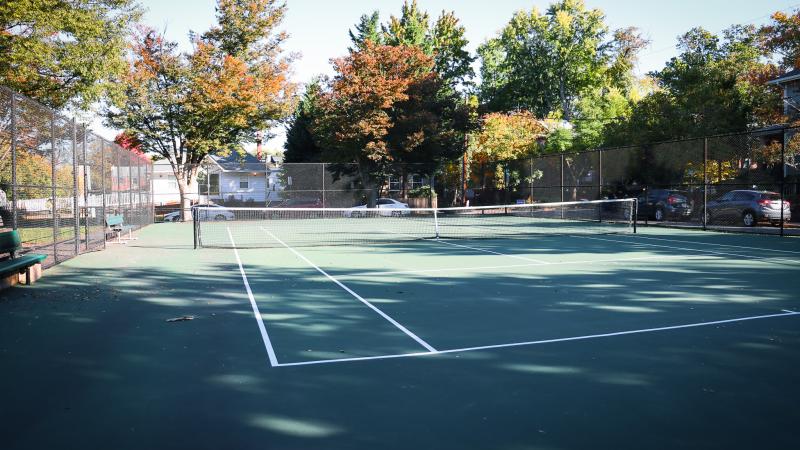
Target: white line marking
column 715, row 244
column 354, row 294
column 738, row 255
column 447, row 242
column 273, row 360
column 546, row 341
column 510, row 266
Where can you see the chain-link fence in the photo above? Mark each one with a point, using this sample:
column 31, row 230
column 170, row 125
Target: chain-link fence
column 746, row 182
column 58, row 181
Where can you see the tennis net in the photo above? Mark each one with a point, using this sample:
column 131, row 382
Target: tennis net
column 220, row 227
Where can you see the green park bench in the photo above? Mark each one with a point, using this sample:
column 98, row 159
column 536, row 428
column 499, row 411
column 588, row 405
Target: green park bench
column 116, row 224
column 15, row 269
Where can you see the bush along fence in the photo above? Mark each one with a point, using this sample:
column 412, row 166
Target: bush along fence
column 58, row 181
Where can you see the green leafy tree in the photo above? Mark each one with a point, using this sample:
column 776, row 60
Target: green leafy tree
column 444, row 40
column 367, row 29
column 714, row 86
column 300, row 145
column 545, row 62
column 64, row 53
column 233, row 85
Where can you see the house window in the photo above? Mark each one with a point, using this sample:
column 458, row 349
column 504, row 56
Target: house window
column 416, row 181
column 208, row 184
column 244, row 183
column 172, row 186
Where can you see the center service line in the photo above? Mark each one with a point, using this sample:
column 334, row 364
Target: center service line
column 273, row 360
column 354, row 294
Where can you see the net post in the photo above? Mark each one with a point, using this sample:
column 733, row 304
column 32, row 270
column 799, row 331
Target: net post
column 635, row 213
column 196, row 228
column 436, row 222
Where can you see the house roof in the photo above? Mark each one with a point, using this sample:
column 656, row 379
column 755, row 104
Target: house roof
column 236, row 162
column 785, row 78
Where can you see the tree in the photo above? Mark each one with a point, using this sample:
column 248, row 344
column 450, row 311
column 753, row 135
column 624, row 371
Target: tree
column 367, row 29
column 64, row 53
column 384, row 106
column 716, row 85
column 545, row 62
column 233, row 85
column 444, row 40
column 300, row 145
column 508, row 136
column 782, row 36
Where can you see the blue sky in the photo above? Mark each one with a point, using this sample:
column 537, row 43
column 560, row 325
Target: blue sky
column 318, row 28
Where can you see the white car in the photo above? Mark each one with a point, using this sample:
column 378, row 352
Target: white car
column 174, row 216
column 212, row 212
column 387, row 207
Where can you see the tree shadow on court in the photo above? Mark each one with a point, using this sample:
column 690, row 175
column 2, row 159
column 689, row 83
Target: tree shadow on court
column 93, row 359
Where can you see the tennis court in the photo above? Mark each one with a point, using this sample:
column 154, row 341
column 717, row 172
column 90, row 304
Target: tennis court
column 322, row 332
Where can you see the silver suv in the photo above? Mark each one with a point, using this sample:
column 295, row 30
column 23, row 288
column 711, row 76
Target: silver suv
column 747, row 208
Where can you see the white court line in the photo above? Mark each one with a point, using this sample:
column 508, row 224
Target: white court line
column 546, row 341
column 712, row 252
column 484, row 250
column 713, row 243
column 273, row 360
column 354, row 294
column 509, row 266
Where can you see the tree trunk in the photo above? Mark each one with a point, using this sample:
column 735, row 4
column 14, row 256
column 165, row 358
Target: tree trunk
column 187, row 184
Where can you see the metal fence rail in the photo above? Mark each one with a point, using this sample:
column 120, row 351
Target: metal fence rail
column 58, row 181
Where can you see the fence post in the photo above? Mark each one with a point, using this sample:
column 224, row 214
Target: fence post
column 54, row 198
column 562, row 185
column 599, row 183
column 13, row 160
column 783, row 175
column 103, row 186
column 530, row 179
column 323, row 185
column 85, row 191
column 705, row 183
column 75, row 204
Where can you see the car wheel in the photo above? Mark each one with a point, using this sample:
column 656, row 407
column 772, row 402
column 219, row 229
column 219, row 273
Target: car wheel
column 396, row 213
column 219, row 217
column 659, row 215
column 749, row 219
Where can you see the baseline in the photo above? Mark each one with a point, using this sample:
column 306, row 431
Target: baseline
column 785, row 313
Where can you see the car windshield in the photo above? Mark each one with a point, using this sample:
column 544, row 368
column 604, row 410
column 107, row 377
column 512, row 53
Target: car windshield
column 771, row 196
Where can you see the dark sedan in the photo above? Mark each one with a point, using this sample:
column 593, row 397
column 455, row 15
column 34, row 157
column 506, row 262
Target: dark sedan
column 662, row 204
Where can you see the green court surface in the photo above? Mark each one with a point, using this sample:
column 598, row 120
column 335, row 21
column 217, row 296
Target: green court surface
column 663, row 339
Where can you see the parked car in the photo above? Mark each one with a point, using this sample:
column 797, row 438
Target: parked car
column 386, row 207
column 174, row 216
column 211, row 211
column 663, row 204
column 748, row 208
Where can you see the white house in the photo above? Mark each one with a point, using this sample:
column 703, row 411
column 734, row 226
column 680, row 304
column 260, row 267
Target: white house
column 241, row 178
